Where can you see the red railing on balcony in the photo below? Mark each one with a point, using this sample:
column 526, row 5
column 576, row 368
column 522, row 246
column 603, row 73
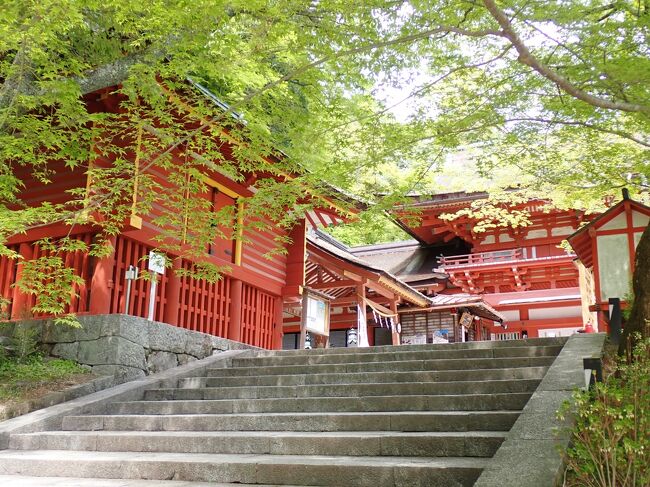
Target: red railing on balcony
column 482, row 258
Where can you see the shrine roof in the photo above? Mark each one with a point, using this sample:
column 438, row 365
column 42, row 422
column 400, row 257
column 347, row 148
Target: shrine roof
column 408, row 260
column 580, row 240
column 337, row 249
column 475, row 303
column 444, row 199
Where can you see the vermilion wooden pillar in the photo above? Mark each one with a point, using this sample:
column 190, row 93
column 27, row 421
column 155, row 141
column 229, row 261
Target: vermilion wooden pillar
column 296, row 259
column 279, row 319
column 102, row 282
column 234, row 328
column 19, row 301
column 172, row 294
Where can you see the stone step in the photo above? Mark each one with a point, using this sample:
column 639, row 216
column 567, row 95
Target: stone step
column 25, row 481
column 465, row 402
column 397, row 355
column 361, row 443
column 440, row 421
column 554, row 341
column 396, row 366
column 357, row 378
column 270, row 469
column 344, row 390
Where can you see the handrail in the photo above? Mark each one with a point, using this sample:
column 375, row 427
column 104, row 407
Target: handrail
column 482, row 257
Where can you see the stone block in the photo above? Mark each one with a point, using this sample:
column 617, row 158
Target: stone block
column 47, row 400
column 82, row 423
column 198, row 345
column 540, row 426
column 89, row 330
column 79, row 390
column 512, row 466
column 219, row 343
column 101, row 383
column 566, row 375
column 132, row 328
column 166, row 337
column 8, row 411
column 119, row 373
column 158, row 361
column 185, row 359
column 68, row 351
column 112, row 351
column 547, row 402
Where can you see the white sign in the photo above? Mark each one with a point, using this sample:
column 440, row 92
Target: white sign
column 156, row 262
column 414, row 340
column 317, row 316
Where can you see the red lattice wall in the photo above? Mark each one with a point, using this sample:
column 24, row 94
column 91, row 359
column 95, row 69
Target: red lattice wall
column 129, row 252
column 258, row 314
column 204, row 306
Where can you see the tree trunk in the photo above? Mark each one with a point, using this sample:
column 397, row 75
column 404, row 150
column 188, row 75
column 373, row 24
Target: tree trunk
column 640, row 315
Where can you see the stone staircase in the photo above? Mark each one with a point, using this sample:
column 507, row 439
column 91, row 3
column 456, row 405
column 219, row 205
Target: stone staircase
column 418, row 415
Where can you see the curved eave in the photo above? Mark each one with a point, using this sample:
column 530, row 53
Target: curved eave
column 405, row 291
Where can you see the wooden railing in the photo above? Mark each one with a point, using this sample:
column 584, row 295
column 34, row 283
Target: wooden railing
column 481, row 258
column 197, row 304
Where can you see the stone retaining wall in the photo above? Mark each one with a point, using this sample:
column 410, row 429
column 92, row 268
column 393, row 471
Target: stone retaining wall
column 128, row 347
column 532, row 454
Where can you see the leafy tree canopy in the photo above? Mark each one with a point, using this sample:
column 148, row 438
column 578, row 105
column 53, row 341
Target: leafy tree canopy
column 371, row 96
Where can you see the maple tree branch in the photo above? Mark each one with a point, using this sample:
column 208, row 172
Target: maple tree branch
column 104, row 76
column 528, row 59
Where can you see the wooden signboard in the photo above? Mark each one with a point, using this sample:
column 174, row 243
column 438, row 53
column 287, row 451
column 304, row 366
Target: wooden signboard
column 315, row 316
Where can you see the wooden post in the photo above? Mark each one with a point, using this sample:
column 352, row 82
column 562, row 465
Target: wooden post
column 303, row 321
column 362, row 318
column 19, row 300
column 102, row 282
column 279, row 323
column 172, row 294
column 234, row 328
column 395, row 335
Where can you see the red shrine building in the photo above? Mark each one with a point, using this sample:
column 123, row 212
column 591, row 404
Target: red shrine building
column 521, row 273
column 450, row 284
column 246, row 305
column 606, row 249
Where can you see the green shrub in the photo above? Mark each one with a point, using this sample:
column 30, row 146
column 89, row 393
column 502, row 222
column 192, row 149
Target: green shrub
column 17, row 378
column 24, row 342
column 611, row 439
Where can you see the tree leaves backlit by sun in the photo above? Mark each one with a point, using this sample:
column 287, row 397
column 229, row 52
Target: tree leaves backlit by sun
column 376, row 97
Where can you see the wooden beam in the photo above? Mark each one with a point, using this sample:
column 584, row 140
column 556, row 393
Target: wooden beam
column 345, row 300
column 329, row 265
column 336, row 284
column 379, row 289
column 294, row 291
